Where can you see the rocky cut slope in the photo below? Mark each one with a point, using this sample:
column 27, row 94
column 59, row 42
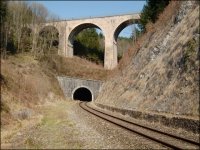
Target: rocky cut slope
column 163, row 76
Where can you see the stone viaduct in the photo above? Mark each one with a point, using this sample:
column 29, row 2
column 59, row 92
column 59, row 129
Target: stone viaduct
column 111, row 26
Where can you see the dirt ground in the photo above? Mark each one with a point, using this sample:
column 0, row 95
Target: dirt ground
column 64, row 125
column 48, row 128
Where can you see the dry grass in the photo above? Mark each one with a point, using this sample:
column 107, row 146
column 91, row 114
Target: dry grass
column 165, row 18
column 24, row 85
column 75, row 67
column 168, row 82
column 50, row 128
column 27, row 82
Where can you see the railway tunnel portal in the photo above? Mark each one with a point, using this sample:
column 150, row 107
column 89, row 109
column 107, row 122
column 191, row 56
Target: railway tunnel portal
column 80, row 89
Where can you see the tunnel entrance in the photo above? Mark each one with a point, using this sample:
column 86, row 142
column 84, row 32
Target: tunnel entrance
column 82, row 94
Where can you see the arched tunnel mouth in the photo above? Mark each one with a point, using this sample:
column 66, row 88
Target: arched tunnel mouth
column 82, row 94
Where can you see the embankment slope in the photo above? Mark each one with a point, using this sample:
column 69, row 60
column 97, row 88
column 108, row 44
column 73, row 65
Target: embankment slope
column 163, row 76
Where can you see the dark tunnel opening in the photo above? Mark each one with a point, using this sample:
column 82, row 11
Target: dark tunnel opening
column 82, row 94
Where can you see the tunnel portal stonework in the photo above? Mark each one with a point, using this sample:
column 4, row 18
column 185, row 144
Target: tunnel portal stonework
column 110, row 26
column 70, row 84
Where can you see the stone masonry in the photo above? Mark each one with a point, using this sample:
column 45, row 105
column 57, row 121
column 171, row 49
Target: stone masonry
column 111, row 26
column 69, row 85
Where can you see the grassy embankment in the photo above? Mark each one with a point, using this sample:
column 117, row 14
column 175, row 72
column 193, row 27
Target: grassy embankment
column 27, row 83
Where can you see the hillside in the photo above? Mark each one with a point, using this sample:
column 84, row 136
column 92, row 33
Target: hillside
column 29, row 85
column 27, row 82
column 163, row 75
column 75, row 67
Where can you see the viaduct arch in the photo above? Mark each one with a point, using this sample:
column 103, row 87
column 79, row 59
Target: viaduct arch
column 111, row 26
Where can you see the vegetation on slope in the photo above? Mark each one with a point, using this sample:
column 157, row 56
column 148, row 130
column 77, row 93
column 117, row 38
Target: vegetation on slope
column 144, row 37
column 151, row 11
column 27, row 81
column 162, row 73
column 62, row 66
column 28, row 71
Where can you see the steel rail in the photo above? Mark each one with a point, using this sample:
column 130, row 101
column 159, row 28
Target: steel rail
column 117, row 120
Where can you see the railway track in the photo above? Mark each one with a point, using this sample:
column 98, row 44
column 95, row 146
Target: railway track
column 166, row 139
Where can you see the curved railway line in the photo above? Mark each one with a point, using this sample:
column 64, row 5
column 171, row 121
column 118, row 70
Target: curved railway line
column 166, row 139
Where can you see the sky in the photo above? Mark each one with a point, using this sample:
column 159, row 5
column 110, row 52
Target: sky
column 86, row 9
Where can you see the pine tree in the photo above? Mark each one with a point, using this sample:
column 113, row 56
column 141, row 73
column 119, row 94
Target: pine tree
column 151, row 11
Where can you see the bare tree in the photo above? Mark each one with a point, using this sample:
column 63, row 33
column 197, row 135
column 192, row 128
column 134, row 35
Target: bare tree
column 23, row 15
